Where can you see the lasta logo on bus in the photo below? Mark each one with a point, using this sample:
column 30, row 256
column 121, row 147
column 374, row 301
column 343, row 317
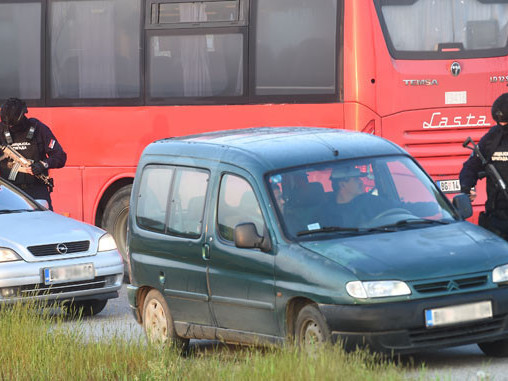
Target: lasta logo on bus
column 437, row 120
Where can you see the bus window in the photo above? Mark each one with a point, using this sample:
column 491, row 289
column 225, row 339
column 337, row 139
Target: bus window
column 296, row 47
column 95, row 49
column 20, row 61
column 196, row 12
column 196, row 65
column 445, row 26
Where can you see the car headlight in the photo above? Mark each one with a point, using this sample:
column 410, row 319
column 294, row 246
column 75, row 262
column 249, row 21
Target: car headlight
column 8, row 255
column 377, row 289
column 500, row 274
column 107, row 243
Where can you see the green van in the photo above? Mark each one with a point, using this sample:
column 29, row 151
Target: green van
column 317, row 235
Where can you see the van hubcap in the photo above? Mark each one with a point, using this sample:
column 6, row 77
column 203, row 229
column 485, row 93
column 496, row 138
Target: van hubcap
column 156, row 322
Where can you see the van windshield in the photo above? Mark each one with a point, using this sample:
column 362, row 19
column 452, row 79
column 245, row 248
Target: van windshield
column 461, row 27
column 358, row 197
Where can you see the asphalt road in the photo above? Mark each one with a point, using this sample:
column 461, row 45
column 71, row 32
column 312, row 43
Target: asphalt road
column 460, row 363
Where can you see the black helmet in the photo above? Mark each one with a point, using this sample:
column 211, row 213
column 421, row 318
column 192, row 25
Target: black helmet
column 12, row 111
column 500, row 109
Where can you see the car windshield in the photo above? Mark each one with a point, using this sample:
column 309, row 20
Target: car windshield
column 12, row 201
column 380, row 194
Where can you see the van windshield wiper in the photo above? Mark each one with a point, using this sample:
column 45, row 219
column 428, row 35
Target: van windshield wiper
column 416, row 221
column 334, row 229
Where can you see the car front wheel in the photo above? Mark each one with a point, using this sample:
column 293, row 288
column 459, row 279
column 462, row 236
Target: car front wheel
column 497, row 348
column 86, row 307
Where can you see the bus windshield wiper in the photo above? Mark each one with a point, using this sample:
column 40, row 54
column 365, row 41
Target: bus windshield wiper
column 334, row 229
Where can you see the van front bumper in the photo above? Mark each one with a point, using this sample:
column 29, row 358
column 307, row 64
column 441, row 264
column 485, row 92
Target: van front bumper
column 400, row 327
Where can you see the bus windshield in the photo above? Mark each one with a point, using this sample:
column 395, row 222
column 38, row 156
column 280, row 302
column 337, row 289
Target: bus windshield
column 478, row 27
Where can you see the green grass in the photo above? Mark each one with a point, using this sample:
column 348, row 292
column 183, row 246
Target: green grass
column 36, row 345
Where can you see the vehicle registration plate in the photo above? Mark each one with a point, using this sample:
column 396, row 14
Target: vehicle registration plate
column 458, row 314
column 449, row 186
column 55, row 275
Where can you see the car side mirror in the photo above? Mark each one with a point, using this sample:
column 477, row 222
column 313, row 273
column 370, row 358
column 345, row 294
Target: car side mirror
column 43, row 203
column 246, row 237
column 462, row 203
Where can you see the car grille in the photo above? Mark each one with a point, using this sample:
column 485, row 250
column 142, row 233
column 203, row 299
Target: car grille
column 451, row 285
column 52, row 249
column 42, row 289
column 446, row 334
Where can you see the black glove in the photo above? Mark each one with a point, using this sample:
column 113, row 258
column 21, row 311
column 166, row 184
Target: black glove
column 37, row 168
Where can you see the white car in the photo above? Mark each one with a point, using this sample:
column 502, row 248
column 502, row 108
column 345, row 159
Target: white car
column 46, row 256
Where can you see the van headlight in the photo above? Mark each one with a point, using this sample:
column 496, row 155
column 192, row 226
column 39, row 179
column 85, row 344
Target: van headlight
column 500, row 274
column 8, row 255
column 377, row 289
column 107, row 243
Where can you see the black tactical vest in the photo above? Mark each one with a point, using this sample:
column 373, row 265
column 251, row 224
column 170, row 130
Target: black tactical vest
column 22, row 139
column 497, row 204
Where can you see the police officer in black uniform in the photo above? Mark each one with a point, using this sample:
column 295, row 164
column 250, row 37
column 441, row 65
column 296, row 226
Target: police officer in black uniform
column 34, row 140
column 494, row 147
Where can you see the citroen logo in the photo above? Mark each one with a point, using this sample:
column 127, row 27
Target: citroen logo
column 455, row 69
column 452, row 286
column 61, row 248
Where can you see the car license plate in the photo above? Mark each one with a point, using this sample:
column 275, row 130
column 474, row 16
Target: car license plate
column 458, row 314
column 55, row 275
column 449, row 186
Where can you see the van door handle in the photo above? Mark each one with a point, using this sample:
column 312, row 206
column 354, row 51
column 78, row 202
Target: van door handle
column 205, row 251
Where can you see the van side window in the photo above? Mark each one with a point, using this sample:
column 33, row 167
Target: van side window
column 187, row 203
column 237, row 204
column 153, row 198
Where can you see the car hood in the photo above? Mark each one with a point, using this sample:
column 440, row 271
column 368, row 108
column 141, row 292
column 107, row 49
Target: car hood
column 18, row 230
column 416, row 253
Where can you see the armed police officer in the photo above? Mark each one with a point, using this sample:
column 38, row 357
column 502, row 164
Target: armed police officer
column 494, row 148
column 32, row 140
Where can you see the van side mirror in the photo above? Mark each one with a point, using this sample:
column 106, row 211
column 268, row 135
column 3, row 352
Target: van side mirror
column 462, row 203
column 246, row 237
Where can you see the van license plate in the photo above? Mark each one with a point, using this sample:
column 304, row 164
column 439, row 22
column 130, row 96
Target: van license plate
column 55, row 275
column 458, row 314
column 449, row 186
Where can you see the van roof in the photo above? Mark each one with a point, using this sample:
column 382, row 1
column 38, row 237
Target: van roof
column 275, row 147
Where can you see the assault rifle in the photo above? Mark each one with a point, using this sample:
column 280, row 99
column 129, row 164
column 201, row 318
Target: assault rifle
column 20, row 163
column 490, row 170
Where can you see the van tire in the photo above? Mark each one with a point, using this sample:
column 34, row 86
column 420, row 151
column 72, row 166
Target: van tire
column 115, row 218
column 311, row 327
column 158, row 322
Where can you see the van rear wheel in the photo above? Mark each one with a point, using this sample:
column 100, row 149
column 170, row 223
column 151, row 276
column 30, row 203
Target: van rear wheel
column 158, row 323
column 311, row 327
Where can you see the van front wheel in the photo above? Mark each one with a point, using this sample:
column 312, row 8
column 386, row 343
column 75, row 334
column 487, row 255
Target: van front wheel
column 311, row 327
column 158, row 323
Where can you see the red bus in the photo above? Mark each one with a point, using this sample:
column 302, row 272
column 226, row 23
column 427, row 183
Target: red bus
column 110, row 76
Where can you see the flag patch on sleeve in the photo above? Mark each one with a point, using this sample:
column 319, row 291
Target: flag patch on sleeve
column 51, row 143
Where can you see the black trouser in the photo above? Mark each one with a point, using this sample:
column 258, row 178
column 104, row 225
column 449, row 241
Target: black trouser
column 496, row 224
column 38, row 192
